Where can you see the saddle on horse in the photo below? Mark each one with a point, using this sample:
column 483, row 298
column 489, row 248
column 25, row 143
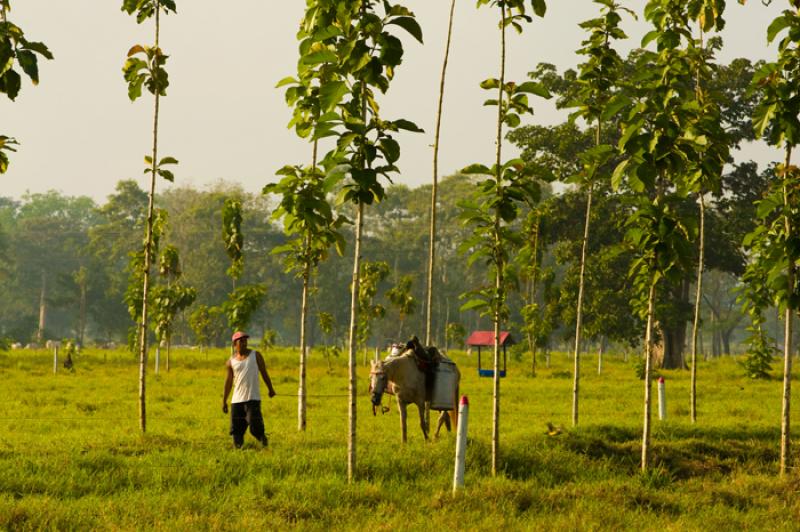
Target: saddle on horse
column 426, row 358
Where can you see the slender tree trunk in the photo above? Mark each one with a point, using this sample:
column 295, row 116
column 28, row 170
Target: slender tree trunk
column 42, row 309
column 787, row 338
column 648, row 368
column 579, row 308
column 534, row 274
column 700, row 267
column 82, row 316
column 434, row 190
column 351, row 350
column 301, row 392
column 697, row 301
column 169, row 348
column 600, row 355
column 147, row 256
column 498, row 243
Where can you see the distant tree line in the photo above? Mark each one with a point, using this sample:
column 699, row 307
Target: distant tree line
column 65, row 261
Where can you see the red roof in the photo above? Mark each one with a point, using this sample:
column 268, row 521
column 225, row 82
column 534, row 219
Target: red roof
column 486, row 338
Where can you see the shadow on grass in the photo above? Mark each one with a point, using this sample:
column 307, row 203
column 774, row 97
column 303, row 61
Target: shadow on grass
column 685, row 452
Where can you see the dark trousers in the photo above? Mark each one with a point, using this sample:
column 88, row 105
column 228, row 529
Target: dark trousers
column 244, row 415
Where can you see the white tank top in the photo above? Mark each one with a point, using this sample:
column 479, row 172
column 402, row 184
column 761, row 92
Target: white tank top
column 245, row 379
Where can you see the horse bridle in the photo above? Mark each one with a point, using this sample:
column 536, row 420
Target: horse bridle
column 374, row 406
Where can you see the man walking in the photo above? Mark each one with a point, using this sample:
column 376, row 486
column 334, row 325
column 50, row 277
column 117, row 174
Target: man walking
column 243, row 369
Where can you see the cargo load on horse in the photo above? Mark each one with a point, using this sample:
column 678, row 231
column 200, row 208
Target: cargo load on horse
column 419, row 375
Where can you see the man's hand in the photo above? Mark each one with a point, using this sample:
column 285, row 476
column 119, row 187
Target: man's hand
column 225, row 407
column 272, row 393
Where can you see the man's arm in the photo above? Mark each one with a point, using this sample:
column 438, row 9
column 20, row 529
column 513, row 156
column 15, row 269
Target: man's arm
column 228, row 386
column 262, row 367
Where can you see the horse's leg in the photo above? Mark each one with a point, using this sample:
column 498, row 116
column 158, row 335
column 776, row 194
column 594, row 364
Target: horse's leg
column 444, row 419
column 427, row 416
column 401, row 406
column 422, row 423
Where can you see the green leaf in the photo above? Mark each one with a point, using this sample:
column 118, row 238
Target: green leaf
column 777, row 26
column 288, row 80
column 490, row 83
column 11, row 83
column 407, row 125
column 316, row 58
column 614, row 106
column 762, row 116
column 391, row 149
column 649, row 37
column 39, row 48
column 618, row 175
column 539, row 7
column 409, row 24
column 477, row 169
column 330, row 94
column 27, row 60
column 166, row 174
column 534, row 88
column 473, row 304
column 512, row 120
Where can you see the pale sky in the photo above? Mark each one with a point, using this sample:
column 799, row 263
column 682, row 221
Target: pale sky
column 223, row 118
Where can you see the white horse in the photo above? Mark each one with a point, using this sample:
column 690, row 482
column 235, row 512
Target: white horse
column 400, row 376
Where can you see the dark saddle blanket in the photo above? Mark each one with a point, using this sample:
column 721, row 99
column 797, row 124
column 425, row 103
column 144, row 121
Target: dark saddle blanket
column 427, row 359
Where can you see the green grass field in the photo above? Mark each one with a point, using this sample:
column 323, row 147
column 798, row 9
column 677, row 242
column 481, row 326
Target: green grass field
column 72, row 456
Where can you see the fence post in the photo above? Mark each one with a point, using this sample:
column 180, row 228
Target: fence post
column 662, row 399
column 461, row 444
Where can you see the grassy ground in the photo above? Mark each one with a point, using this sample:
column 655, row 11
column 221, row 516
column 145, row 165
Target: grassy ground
column 71, row 455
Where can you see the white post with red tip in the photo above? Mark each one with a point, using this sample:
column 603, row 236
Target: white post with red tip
column 662, row 399
column 461, row 444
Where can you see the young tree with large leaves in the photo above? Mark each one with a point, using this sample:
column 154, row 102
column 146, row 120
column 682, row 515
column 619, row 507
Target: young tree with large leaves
column 773, row 244
column 660, row 146
column 498, row 196
column 145, row 68
column 243, row 301
column 170, row 297
column 596, row 102
column 15, row 51
column 304, row 207
column 707, row 175
column 367, row 54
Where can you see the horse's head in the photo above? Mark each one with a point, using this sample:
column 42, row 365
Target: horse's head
column 377, row 384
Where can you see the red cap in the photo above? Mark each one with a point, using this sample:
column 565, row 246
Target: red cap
column 661, row 380
column 464, row 400
column 238, row 335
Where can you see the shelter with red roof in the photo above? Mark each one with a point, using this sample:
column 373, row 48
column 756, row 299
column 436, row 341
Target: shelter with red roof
column 486, row 339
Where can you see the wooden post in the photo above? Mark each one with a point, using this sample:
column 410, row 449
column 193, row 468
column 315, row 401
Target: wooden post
column 55, row 359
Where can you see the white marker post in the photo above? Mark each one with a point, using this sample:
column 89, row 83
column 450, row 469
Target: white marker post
column 461, row 444
column 662, row 399
column 55, row 359
column 158, row 356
